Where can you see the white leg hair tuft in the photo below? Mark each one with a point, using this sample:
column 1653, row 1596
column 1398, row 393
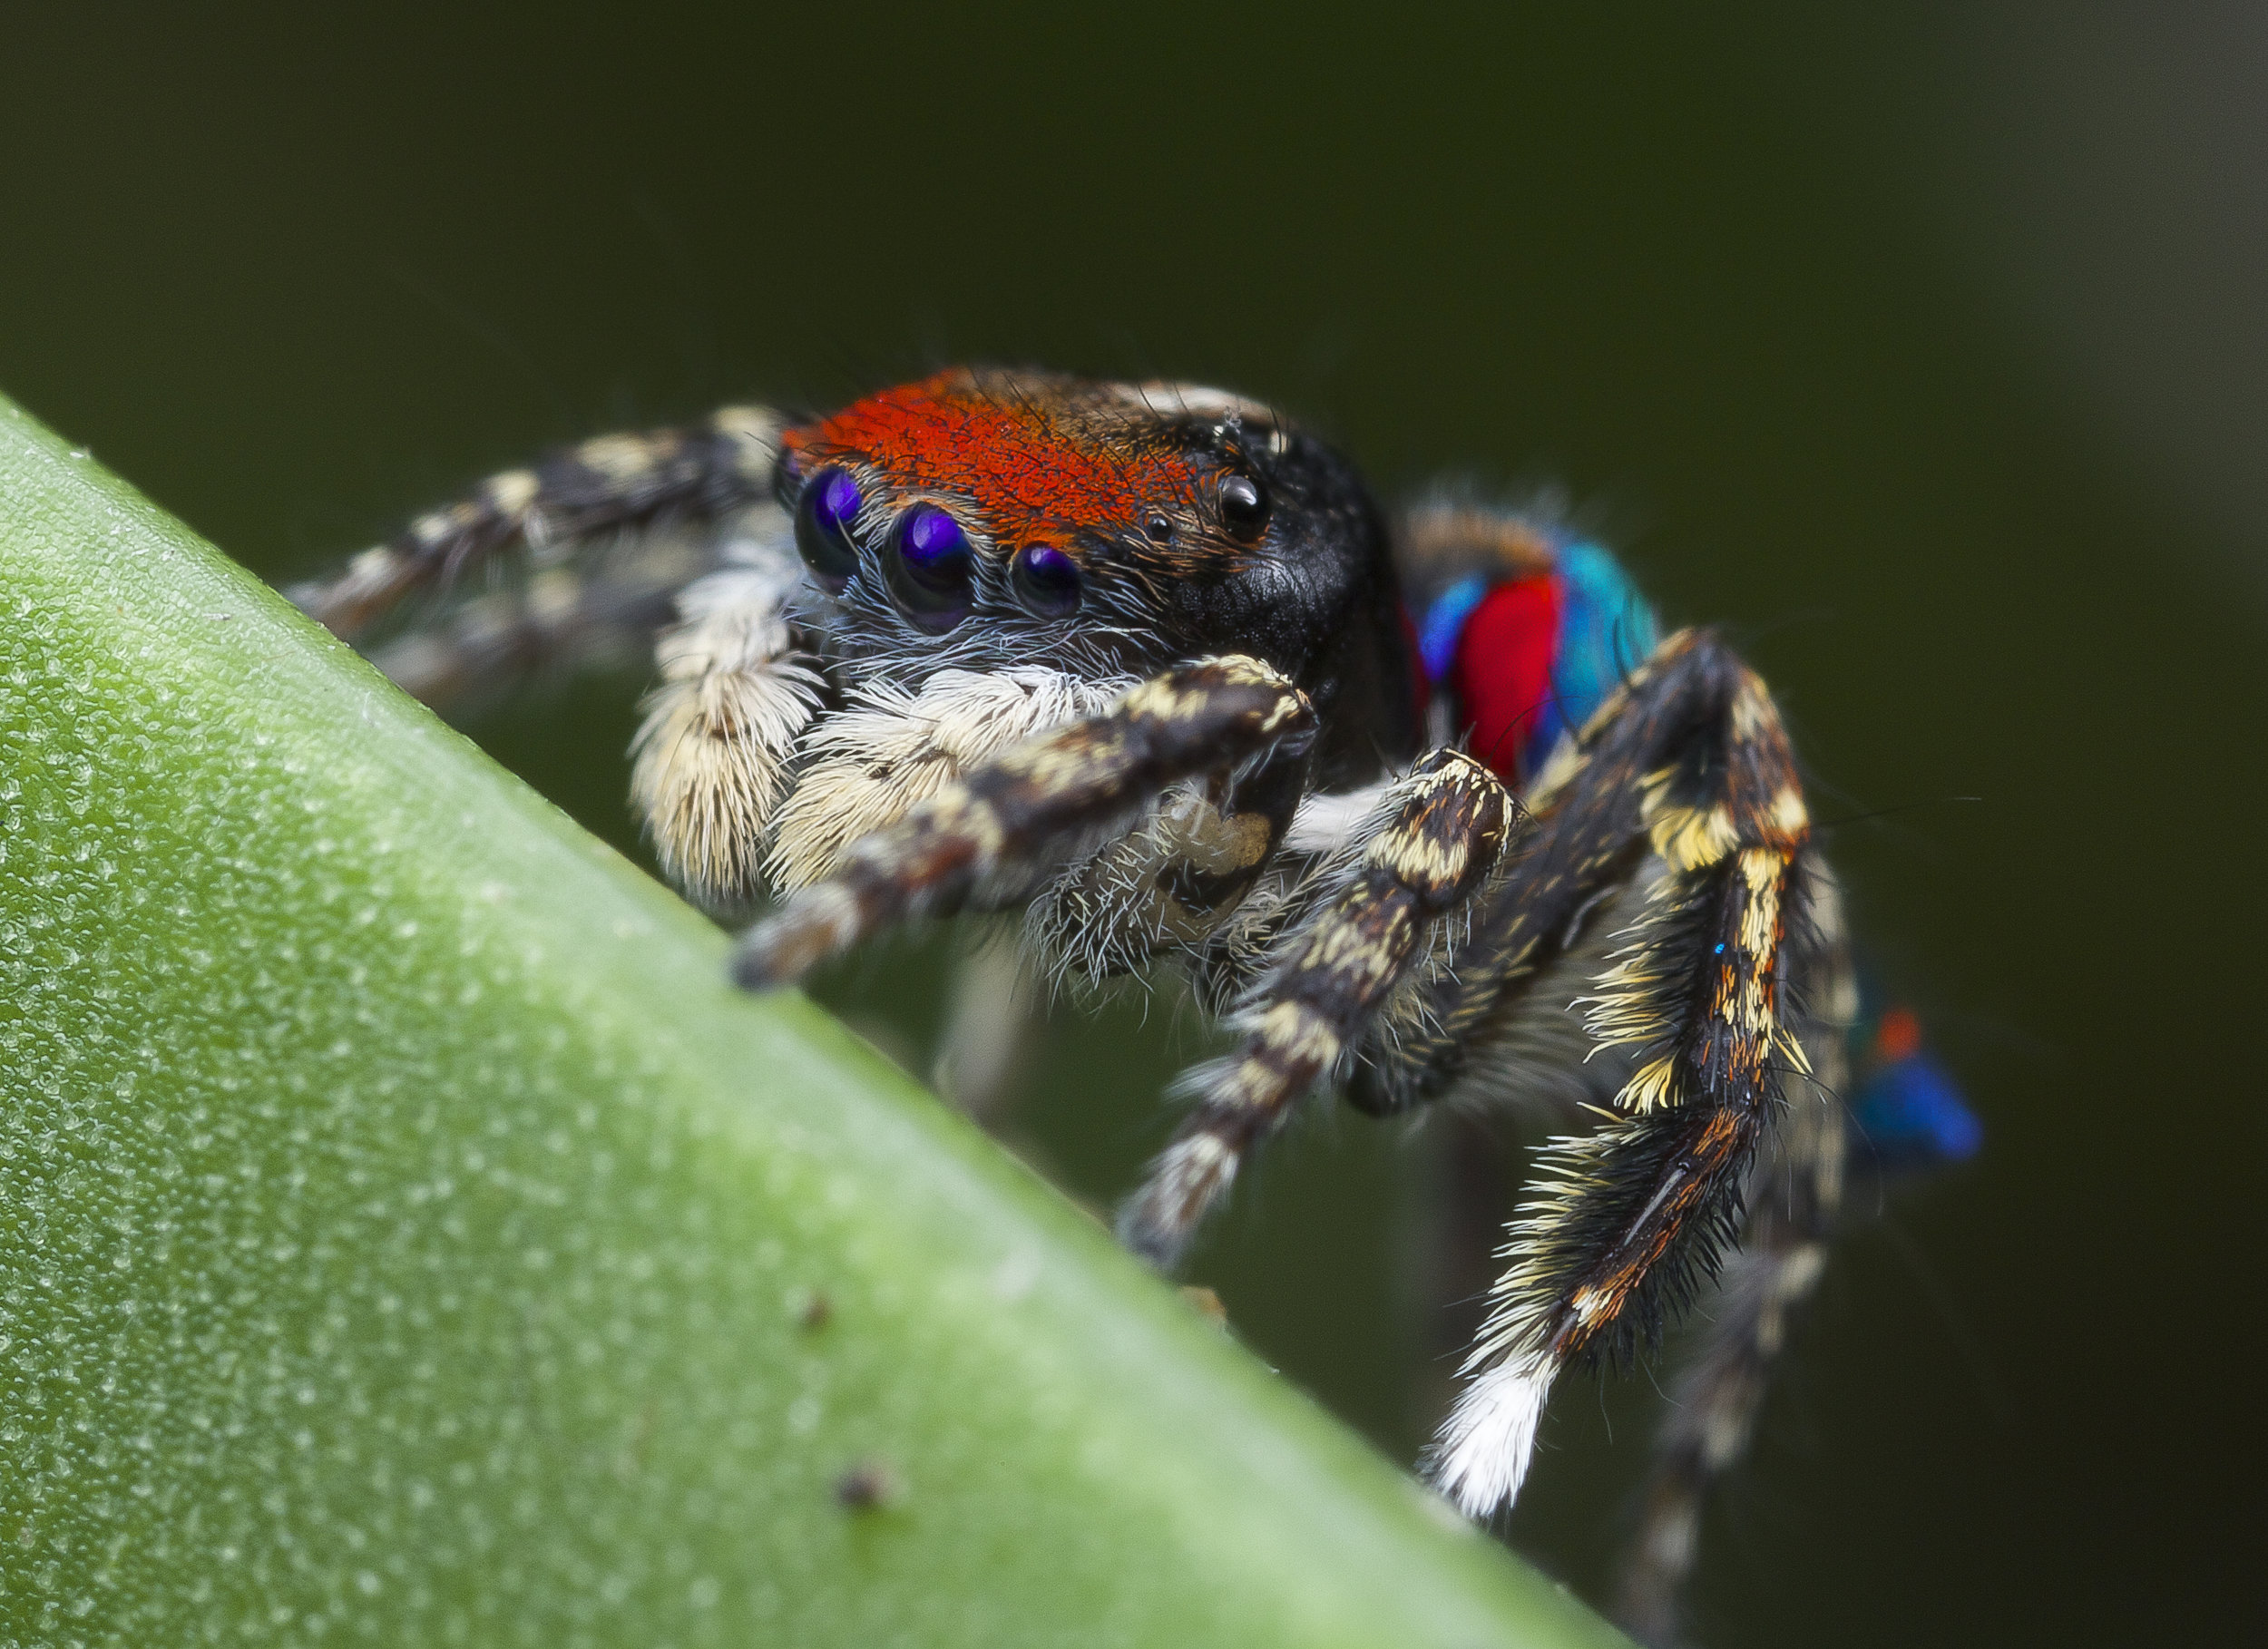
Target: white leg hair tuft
column 1489, row 1437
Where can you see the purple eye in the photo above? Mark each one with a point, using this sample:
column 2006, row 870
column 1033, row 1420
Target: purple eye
column 824, row 514
column 1046, row 582
column 930, row 568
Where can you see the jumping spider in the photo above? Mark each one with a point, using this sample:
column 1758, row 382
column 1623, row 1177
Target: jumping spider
column 1133, row 661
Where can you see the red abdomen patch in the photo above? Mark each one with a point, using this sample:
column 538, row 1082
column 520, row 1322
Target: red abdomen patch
column 1502, row 671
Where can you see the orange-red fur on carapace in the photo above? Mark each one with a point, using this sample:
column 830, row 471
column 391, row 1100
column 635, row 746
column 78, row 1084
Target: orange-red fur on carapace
column 1025, row 460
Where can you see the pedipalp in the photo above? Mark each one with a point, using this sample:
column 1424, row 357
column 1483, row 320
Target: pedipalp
column 1207, row 717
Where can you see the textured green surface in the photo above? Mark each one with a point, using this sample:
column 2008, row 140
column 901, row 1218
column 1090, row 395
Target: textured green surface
column 405, row 1237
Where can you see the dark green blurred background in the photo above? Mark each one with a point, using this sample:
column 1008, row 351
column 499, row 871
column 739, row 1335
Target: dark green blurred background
column 1925, row 354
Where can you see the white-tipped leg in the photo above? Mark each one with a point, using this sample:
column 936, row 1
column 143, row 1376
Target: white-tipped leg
column 1485, row 1445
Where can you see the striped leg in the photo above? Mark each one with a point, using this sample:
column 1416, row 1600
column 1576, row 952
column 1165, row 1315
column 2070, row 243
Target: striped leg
column 1796, row 1193
column 563, row 528
column 556, row 622
column 992, row 827
column 889, row 749
column 1170, row 885
column 1687, row 762
column 1431, row 843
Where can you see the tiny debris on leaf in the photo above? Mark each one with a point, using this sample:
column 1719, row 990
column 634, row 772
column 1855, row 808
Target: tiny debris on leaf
column 1207, row 1304
column 869, row 1486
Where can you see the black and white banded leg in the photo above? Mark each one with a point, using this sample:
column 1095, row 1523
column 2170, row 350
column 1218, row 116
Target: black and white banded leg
column 576, row 496
column 1428, row 846
column 669, row 543
column 993, row 834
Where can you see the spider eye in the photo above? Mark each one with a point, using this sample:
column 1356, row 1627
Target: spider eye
column 787, row 479
column 931, row 569
column 1046, row 582
column 1244, row 507
column 1160, row 528
column 824, row 514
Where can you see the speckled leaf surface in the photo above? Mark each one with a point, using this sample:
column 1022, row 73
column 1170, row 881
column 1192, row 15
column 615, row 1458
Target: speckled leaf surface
column 406, row 1237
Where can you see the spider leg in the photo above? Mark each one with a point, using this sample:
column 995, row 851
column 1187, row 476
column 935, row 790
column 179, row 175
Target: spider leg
column 1429, row 844
column 1167, row 885
column 1685, row 761
column 1170, row 885
column 581, row 530
column 995, row 823
column 1795, row 1194
column 554, row 619
column 891, row 748
column 1173, row 884
column 992, row 1016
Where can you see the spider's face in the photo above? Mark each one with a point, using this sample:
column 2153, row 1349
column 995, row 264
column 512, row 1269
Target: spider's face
column 981, row 518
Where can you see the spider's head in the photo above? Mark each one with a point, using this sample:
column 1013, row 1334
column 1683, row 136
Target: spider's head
column 982, row 517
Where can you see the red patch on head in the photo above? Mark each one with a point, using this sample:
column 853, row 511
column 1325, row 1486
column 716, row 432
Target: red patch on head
column 1034, row 457
column 1503, row 668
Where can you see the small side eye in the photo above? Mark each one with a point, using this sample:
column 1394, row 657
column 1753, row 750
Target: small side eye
column 824, row 513
column 1046, row 582
column 1244, row 508
column 1160, row 528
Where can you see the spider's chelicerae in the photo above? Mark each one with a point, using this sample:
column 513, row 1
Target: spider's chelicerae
column 1134, row 663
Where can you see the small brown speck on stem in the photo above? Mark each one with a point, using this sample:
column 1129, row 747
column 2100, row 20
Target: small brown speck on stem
column 812, row 1311
column 869, row 1486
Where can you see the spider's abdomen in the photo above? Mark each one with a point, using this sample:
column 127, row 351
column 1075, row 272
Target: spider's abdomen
column 1525, row 658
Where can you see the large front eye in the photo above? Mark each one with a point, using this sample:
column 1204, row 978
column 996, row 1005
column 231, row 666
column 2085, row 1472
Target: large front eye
column 1244, row 507
column 931, row 569
column 823, row 515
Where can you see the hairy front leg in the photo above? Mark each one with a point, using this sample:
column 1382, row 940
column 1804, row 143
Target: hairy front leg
column 740, row 683
column 994, row 828
column 1429, row 844
column 891, row 748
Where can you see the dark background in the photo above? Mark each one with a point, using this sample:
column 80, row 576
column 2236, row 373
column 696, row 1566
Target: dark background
column 1926, row 354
